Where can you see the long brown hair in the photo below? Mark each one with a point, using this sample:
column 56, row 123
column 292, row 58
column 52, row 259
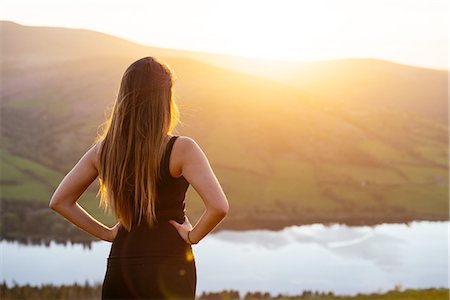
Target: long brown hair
column 133, row 141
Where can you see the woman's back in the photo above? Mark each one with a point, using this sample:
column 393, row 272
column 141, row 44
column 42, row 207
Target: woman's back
column 160, row 250
column 144, row 262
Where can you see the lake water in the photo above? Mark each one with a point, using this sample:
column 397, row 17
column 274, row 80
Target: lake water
column 338, row 258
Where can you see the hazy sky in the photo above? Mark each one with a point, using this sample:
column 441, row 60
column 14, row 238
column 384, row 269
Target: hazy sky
column 412, row 32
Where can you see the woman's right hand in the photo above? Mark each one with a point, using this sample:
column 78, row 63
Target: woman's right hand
column 183, row 229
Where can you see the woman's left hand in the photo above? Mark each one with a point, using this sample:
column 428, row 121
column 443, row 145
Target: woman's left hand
column 113, row 233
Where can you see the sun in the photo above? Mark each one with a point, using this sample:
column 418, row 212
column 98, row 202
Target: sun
column 256, row 29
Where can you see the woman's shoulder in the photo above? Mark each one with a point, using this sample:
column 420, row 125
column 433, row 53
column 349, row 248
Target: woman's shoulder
column 188, row 151
column 93, row 152
column 185, row 144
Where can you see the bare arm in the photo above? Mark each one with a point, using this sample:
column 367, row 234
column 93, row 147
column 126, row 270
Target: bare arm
column 198, row 172
column 64, row 199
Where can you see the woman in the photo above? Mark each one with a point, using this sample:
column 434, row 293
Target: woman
column 144, row 172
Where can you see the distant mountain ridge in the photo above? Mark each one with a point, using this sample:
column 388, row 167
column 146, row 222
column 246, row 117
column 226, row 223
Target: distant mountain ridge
column 368, row 80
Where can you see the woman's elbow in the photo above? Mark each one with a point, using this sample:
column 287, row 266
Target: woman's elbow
column 222, row 210
column 54, row 204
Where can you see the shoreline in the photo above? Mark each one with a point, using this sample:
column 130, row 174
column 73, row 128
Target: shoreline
column 88, row 291
column 80, row 237
column 245, row 223
column 35, row 224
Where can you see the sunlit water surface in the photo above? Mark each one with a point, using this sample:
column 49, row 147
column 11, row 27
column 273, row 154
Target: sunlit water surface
column 338, row 258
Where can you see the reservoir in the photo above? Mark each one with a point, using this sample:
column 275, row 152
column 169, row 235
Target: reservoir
column 337, row 258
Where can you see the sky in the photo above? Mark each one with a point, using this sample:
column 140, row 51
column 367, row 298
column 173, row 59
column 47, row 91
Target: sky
column 413, row 32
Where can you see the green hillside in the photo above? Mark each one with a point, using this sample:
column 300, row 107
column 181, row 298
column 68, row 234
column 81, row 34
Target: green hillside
column 283, row 154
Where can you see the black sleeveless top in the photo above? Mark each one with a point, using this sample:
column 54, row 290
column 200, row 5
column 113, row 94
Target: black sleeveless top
column 163, row 239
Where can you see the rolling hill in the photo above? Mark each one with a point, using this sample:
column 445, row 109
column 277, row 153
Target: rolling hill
column 354, row 141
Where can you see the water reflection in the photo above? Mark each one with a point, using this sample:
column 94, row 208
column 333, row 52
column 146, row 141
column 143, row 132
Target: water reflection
column 338, row 258
column 380, row 244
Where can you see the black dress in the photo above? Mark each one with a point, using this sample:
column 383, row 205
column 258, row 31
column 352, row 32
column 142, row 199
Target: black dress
column 154, row 263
